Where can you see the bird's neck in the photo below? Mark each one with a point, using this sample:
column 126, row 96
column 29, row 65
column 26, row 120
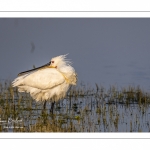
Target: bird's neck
column 68, row 73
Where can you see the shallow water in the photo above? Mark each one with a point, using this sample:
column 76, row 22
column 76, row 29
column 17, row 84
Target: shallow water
column 76, row 114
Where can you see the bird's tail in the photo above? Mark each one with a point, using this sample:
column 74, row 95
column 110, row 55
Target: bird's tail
column 18, row 81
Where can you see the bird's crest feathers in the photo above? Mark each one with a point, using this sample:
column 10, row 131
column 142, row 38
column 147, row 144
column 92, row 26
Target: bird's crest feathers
column 61, row 60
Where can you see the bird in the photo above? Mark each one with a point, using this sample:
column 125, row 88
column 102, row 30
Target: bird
column 50, row 82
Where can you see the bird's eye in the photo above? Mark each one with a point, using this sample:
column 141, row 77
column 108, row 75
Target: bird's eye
column 52, row 61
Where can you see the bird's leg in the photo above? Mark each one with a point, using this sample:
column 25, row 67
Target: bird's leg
column 52, row 107
column 44, row 113
column 44, row 106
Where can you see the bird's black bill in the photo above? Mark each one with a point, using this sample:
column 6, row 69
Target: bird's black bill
column 44, row 66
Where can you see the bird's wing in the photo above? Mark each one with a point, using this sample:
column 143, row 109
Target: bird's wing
column 42, row 79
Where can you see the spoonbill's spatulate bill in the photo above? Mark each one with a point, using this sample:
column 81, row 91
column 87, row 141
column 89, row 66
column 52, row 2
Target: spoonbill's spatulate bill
column 49, row 82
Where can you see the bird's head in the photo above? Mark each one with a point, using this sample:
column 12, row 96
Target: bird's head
column 58, row 61
column 65, row 68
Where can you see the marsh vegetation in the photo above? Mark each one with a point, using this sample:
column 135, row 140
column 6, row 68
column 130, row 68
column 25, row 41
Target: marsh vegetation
column 85, row 109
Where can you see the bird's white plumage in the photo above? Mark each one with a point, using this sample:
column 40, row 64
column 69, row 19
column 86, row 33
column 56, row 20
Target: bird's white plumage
column 43, row 79
column 49, row 83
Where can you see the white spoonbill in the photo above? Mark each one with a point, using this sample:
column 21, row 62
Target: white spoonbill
column 49, row 82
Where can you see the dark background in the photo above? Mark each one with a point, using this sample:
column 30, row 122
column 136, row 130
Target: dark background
column 107, row 51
